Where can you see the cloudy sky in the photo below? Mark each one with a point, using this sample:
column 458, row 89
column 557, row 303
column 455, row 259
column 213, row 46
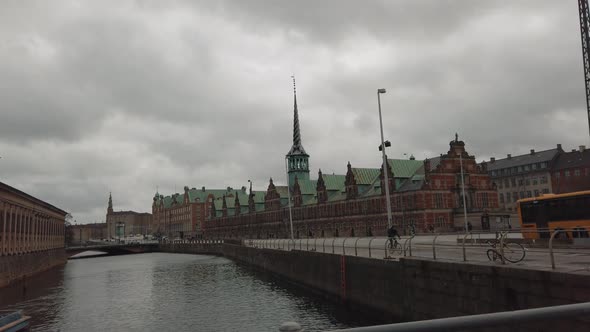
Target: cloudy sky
column 130, row 96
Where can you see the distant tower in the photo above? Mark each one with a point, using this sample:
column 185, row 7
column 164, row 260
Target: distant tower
column 110, row 208
column 298, row 159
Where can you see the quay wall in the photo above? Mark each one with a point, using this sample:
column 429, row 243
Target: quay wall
column 14, row 268
column 417, row 289
column 192, row 248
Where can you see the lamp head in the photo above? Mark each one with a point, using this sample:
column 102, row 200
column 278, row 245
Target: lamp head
column 381, row 91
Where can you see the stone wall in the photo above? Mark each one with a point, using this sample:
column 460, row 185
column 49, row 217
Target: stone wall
column 192, row 248
column 417, row 289
column 17, row 267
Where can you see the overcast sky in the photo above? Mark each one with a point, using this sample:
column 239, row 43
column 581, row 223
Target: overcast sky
column 127, row 96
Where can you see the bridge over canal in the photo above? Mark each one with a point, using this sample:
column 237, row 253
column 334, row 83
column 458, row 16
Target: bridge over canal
column 112, row 249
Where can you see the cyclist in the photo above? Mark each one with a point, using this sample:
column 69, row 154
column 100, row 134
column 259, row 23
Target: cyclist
column 392, row 234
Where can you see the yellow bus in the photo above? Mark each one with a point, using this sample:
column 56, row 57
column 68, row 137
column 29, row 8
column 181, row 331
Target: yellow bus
column 541, row 216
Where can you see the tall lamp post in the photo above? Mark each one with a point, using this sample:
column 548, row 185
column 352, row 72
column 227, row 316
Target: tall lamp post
column 463, row 193
column 386, row 176
column 289, row 198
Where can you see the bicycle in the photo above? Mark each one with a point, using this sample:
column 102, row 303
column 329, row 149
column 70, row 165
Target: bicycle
column 513, row 252
column 394, row 247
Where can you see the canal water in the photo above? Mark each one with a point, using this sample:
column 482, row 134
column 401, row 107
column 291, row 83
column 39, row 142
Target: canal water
column 169, row 292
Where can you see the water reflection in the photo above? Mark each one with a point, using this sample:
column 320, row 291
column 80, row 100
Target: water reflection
column 164, row 292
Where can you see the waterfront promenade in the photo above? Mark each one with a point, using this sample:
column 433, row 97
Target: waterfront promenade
column 447, row 247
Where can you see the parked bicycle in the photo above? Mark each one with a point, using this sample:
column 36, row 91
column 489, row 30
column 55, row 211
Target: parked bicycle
column 513, row 252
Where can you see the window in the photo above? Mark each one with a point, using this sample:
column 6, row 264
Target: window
column 544, row 165
column 513, row 182
column 501, row 198
column 484, row 200
column 507, row 197
column 522, row 194
column 577, row 172
column 506, row 183
column 529, row 194
column 557, row 175
column 527, row 168
column 438, row 201
column 494, row 173
column 499, row 184
column 440, row 222
column 545, row 191
column 567, row 173
column 534, row 166
column 536, row 192
column 519, row 169
column 535, row 182
column 521, row 182
column 528, row 182
column 514, row 196
column 543, row 179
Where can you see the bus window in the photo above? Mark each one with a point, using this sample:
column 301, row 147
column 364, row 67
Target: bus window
column 580, row 232
column 560, row 235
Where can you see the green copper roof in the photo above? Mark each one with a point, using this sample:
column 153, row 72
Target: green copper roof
column 282, row 191
column 336, row 196
column 365, row 176
column 308, row 187
column 403, row 168
column 309, row 199
column 334, row 181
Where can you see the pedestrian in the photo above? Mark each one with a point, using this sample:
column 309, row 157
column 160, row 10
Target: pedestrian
column 469, row 226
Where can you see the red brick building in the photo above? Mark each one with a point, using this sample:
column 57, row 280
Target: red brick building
column 571, row 171
column 126, row 223
column 425, row 196
column 182, row 215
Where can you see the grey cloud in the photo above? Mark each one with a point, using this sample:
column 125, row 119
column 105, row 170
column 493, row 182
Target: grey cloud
column 127, row 96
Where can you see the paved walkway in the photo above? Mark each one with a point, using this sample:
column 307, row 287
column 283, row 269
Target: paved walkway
column 447, row 248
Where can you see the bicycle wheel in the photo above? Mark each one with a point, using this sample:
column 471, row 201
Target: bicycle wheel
column 514, row 252
column 492, row 254
column 396, row 250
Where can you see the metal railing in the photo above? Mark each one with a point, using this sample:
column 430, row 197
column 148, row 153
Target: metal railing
column 482, row 320
column 467, row 247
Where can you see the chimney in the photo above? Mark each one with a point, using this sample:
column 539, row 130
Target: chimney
column 203, row 189
column 559, row 147
column 532, row 151
column 493, row 159
column 509, row 156
column 582, row 148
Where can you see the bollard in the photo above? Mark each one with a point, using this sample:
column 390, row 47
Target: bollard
column 434, row 247
column 290, row 327
column 371, row 240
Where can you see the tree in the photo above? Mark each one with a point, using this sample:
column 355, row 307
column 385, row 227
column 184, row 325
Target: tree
column 69, row 230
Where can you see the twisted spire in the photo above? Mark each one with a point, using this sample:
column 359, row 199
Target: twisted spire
column 297, row 148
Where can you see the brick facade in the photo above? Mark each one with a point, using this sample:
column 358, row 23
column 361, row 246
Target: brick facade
column 428, row 201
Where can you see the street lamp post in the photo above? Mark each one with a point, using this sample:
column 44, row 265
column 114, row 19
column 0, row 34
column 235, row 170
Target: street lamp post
column 289, row 198
column 386, row 176
column 463, row 193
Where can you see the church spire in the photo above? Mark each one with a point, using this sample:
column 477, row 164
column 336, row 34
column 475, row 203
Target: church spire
column 298, row 159
column 297, row 148
column 110, row 208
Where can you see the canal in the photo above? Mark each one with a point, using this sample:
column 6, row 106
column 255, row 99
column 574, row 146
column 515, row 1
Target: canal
column 169, row 292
